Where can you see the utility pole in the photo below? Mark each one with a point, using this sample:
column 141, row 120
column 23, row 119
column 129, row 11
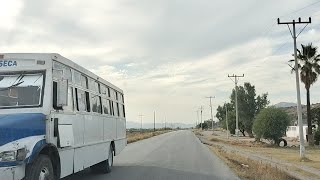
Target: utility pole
column 141, row 115
column 201, row 109
column 210, row 97
column 154, row 121
column 296, row 69
column 165, row 123
column 236, row 99
column 227, row 121
column 197, row 119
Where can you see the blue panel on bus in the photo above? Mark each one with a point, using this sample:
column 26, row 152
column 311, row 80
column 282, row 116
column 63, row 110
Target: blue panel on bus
column 18, row 126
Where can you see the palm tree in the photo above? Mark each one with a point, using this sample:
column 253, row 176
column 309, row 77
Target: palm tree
column 309, row 71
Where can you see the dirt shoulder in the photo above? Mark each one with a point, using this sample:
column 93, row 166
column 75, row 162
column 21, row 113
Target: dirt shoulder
column 284, row 159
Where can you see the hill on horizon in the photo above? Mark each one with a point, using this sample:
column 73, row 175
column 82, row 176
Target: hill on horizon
column 285, row 104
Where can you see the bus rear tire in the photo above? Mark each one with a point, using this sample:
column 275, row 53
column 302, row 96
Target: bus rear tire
column 104, row 166
column 41, row 168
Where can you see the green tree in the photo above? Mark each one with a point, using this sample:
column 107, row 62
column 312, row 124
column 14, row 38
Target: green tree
column 271, row 123
column 309, row 71
column 221, row 114
column 232, row 121
column 315, row 116
column 249, row 105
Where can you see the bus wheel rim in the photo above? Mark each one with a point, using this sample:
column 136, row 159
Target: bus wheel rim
column 44, row 174
column 110, row 159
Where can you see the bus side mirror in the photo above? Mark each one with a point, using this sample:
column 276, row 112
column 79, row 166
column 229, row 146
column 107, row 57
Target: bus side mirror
column 62, row 92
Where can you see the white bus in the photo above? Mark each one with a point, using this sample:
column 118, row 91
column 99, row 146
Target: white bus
column 56, row 118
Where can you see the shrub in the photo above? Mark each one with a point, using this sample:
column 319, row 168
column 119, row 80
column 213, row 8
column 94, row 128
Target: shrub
column 271, row 123
column 317, row 137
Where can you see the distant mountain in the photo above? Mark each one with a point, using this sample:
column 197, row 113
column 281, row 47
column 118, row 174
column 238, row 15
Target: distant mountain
column 285, row 104
column 131, row 124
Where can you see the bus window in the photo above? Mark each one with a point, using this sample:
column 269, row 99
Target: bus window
column 116, row 94
column 60, row 70
column 93, row 85
column 103, row 89
column 100, row 106
column 77, row 78
column 123, row 110
column 70, row 100
column 96, row 104
column 116, row 109
column 120, row 110
column 113, row 94
column 55, row 94
column 87, row 102
column 111, row 108
column 81, row 100
column 84, row 81
column 120, row 97
column 106, row 106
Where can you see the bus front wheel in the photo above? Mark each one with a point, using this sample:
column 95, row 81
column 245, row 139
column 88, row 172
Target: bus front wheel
column 40, row 169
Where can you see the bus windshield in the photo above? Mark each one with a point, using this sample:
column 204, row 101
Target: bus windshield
column 20, row 90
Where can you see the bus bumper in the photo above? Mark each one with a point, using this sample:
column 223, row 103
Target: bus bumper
column 12, row 172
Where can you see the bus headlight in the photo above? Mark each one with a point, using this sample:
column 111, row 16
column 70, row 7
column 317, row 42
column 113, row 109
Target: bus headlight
column 9, row 156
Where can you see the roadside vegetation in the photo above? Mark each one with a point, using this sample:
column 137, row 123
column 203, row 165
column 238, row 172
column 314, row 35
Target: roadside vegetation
column 259, row 155
column 271, row 123
column 248, row 169
column 309, row 71
column 250, row 104
column 134, row 135
column 263, row 129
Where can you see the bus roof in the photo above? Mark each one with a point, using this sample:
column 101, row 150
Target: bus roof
column 61, row 59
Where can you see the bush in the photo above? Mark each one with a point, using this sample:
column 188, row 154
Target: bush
column 317, row 137
column 271, row 123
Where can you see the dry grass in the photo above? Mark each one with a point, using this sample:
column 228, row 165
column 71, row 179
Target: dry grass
column 213, row 139
column 290, row 155
column 249, row 169
column 197, row 132
column 137, row 136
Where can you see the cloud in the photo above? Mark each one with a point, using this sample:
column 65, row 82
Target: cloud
column 167, row 55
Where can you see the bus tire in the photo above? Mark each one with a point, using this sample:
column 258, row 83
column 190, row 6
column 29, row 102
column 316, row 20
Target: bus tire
column 40, row 168
column 104, row 166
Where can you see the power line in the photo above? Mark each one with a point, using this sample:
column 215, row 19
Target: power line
column 295, row 11
column 267, row 32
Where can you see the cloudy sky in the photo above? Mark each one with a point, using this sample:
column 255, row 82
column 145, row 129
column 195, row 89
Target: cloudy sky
column 168, row 55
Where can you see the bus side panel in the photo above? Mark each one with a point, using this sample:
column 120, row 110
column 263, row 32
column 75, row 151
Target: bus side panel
column 78, row 130
column 93, row 129
column 109, row 130
column 66, row 160
column 87, row 156
column 120, row 145
column 121, row 125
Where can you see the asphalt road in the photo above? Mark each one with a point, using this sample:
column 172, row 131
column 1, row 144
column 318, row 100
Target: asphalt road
column 174, row 155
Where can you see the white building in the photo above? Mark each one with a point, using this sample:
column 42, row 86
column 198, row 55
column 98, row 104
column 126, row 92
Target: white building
column 293, row 131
